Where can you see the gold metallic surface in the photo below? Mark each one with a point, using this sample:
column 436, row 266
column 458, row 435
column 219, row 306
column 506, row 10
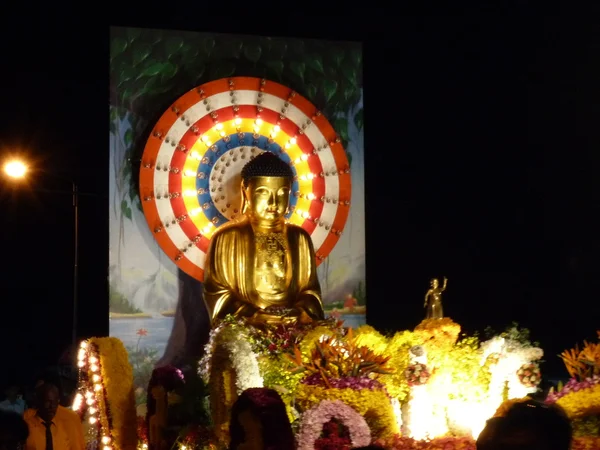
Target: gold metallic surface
column 259, row 267
column 433, row 299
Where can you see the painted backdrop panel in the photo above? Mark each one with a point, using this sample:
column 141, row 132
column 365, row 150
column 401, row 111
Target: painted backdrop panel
column 155, row 308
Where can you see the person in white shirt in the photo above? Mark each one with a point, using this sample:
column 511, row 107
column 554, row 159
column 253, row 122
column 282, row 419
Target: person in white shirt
column 13, row 401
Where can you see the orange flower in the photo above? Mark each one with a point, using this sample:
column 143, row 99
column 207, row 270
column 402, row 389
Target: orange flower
column 142, row 332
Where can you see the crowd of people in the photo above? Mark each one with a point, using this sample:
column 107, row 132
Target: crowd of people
column 259, row 422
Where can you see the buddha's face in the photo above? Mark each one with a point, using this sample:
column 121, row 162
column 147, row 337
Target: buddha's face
column 435, row 283
column 267, row 197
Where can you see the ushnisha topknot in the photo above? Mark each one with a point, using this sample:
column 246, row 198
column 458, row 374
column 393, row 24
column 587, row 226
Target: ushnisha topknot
column 266, row 164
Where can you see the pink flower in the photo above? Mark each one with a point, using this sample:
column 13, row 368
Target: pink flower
column 312, row 422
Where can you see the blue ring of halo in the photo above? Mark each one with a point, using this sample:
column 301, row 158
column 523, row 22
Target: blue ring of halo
column 210, row 158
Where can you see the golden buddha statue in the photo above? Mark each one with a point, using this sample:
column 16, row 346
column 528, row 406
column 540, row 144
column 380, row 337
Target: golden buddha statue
column 258, row 266
column 433, row 299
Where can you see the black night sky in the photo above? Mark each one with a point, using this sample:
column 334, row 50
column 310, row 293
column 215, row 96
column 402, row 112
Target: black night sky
column 481, row 154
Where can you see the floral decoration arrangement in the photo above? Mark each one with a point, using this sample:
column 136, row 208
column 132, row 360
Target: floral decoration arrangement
column 398, row 442
column 335, row 436
column 417, row 374
column 580, row 396
column 313, row 421
column 142, row 433
column 105, row 393
column 530, row 374
column 340, row 362
column 366, row 370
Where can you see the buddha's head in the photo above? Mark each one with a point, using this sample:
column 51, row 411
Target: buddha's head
column 435, row 283
column 266, row 185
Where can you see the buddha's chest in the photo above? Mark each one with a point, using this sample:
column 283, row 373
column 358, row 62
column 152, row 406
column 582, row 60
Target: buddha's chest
column 271, row 263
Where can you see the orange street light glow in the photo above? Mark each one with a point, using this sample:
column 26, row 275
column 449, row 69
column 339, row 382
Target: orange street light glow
column 15, row 169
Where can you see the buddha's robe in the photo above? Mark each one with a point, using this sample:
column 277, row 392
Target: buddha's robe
column 233, row 267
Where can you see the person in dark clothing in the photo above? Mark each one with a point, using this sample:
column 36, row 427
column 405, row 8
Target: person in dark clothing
column 13, row 430
column 529, row 425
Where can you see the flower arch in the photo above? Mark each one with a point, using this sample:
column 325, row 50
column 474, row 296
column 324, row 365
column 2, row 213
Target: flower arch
column 232, row 368
column 314, row 419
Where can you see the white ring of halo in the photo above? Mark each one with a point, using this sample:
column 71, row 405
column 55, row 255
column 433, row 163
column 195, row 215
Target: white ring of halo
column 223, row 100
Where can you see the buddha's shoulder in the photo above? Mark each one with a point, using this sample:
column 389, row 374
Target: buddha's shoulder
column 231, row 228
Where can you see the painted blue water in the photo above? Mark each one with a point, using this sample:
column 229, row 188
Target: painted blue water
column 159, row 329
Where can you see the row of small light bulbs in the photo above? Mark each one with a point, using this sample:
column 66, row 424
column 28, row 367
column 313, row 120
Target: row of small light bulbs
column 87, row 359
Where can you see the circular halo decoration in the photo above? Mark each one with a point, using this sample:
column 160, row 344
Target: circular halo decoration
column 191, row 166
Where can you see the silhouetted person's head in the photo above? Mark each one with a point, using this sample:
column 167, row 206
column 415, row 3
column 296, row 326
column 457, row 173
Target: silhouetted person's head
column 13, row 430
column 47, row 401
column 528, row 426
column 259, row 421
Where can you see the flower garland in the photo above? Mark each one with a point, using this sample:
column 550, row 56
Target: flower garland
column 204, row 363
column 106, row 392
column 374, row 404
column 417, row 374
column 117, row 377
column 314, row 419
column 234, row 342
column 529, row 375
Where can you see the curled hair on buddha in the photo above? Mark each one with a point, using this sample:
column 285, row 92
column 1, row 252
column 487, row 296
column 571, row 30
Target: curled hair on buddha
column 266, row 164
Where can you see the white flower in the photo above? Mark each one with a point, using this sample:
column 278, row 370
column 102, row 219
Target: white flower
column 235, row 343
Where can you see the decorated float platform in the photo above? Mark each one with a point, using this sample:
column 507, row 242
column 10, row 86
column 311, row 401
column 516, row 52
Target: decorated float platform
column 432, row 387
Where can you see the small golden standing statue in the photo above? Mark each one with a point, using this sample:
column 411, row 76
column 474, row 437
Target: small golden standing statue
column 433, row 299
column 258, row 266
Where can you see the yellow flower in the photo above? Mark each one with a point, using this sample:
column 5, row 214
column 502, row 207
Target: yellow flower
column 117, row 380
column 398, row 348
column 585, row 402
column 367, row 336
column 375, row 406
